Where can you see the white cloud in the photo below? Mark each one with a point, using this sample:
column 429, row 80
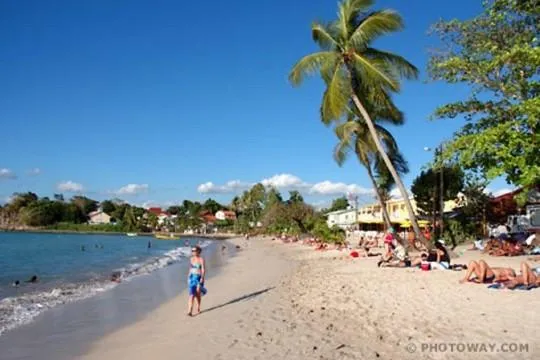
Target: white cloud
column 284, row 181
column 7, row 174
column 69, row 186
column 288, row 181
column 336, row 189
column 132, row 189
column 396, row 194
column 230, row 187
column 34, row 172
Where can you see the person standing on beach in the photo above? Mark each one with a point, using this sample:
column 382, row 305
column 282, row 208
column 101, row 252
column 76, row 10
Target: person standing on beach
column 196, row 279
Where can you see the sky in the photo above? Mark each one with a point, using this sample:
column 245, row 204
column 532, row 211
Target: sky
column 158, row 101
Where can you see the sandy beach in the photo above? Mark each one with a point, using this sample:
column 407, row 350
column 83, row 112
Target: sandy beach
column 284, row 301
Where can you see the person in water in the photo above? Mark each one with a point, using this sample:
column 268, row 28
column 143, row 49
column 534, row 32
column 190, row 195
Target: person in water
column 33, row 279
column 196, row 279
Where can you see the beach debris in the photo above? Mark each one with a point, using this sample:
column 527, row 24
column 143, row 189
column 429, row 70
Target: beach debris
column 377, row 354
column 259, row 334
column 341, row 346
column 330, row 327
column 315, row 348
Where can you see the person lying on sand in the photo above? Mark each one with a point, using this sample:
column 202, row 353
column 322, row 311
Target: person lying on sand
column 528, row 277
column 484, row 274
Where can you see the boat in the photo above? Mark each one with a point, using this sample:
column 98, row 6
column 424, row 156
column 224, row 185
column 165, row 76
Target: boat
column 166, row 237
column 131, row 234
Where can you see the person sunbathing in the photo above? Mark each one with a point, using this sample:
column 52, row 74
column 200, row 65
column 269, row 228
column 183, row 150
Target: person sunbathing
column 485, row 274
column 528, row 278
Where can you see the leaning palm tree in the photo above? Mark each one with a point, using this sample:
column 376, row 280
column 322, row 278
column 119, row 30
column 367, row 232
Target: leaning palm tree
column 349, row 67
column 354, row 137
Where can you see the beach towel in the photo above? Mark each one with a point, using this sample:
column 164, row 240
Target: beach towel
column 500, row 286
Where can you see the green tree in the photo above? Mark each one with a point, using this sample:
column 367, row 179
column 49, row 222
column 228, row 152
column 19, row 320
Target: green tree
column 212, row 205
column 108, row 207
column 426, row 188
column 129, row 221
column 341, row 203
column 87, row 205
column 497, row 54
column 173, row 210
column 352, row 70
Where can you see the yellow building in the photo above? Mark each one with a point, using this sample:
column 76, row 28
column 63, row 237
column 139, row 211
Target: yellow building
column 372, row 214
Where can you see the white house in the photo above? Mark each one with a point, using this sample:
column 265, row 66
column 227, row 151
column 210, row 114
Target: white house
column 342, row 218
column 98, row 217
column 225, row 215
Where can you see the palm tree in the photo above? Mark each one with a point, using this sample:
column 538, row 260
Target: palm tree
column 350, row 67
column 354, row 136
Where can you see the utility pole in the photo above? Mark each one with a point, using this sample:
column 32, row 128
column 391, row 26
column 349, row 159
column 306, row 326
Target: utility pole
column 442, row 192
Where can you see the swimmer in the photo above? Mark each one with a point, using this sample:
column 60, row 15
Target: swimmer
column 33, row 279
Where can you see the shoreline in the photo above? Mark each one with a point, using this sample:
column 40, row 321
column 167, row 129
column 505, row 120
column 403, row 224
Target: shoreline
column 217, row 236
column 288, row 301
column 21, row 309
column 74, row 326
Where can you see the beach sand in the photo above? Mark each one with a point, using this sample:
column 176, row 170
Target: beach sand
column 282, row 301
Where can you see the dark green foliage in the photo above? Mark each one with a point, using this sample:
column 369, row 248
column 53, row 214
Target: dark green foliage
column 340, row 203
column 426, row 188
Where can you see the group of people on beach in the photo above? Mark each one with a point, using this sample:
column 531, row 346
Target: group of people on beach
column 395, row 255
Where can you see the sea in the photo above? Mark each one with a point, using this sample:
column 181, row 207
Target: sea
column 73, row 267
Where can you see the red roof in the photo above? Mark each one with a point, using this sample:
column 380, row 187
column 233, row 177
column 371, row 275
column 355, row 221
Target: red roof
column 155, row 210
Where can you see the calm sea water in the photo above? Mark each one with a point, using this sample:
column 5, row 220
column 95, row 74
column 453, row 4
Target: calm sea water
column 73, row 266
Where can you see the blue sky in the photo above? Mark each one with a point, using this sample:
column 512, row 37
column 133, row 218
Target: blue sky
column 148, row 100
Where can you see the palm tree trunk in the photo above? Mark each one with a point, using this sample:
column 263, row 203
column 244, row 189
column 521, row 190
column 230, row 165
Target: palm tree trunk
column 384, row 210
column 385, row 216
column 391, row 169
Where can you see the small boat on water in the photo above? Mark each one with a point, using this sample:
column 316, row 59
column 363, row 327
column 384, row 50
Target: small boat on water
column 166, row 237
column 131, row 234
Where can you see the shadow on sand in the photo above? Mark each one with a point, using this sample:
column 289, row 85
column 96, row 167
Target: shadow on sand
column 242, row 298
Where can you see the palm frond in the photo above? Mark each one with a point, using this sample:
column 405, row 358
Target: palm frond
column 398, row 63
column 310, row 65
column 322, row 35
column 374, row 25
column 348, row 12
column 341, row 152
column 336, row 96
column 379, row 105
column 375, row 73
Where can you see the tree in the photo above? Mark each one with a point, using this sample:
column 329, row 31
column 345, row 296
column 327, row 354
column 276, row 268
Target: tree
column 341, row 203
column 108, row 206
column 173, row 210
column 129, row 220
column 354, row 136
column 426, row 188
column 351, row 70
column 212, row 206
column 85, row 204
column 58, row 197
column 272, row 197
column 497, row 54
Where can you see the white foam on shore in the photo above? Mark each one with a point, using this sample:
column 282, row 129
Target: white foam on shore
column 18, row 310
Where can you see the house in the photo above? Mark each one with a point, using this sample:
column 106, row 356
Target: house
column 342, row 218
column 98, row 217
column 207, row 217
column 161, row 215
column 225, row 215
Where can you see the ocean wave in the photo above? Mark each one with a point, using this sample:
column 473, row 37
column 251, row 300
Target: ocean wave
column 19, row 310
